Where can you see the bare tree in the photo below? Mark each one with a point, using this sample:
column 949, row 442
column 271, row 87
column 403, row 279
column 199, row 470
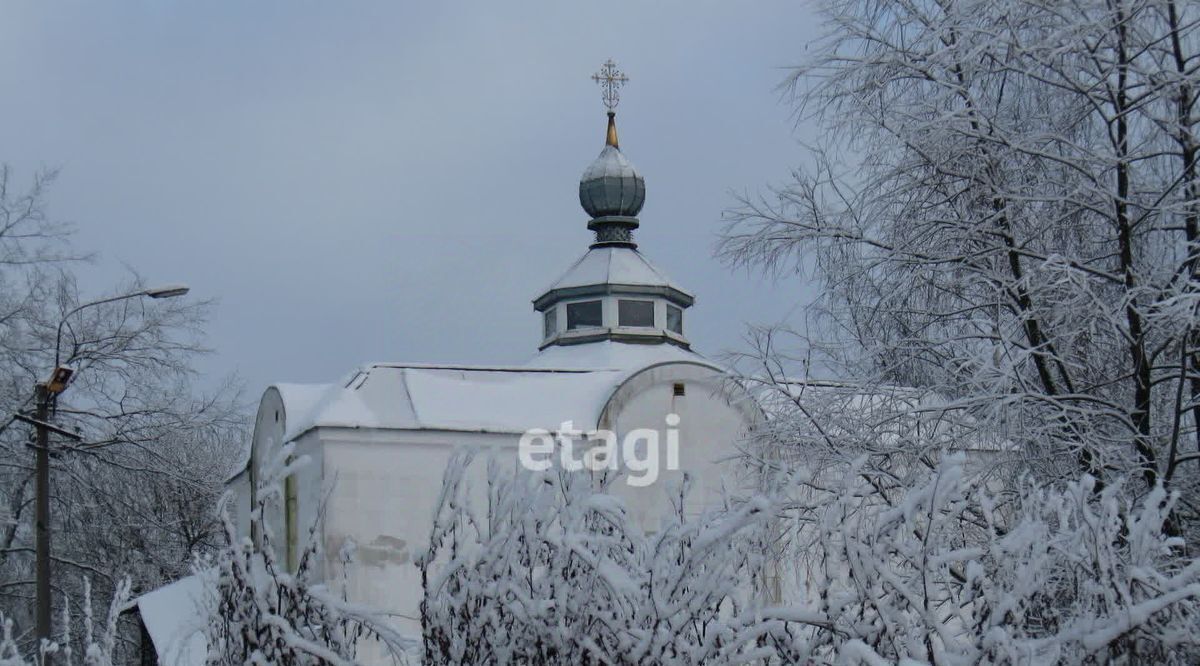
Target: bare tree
column 137, row 495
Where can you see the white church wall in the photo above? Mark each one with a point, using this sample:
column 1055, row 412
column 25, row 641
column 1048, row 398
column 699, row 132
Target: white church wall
column 383, row 487
column 238, row 505
column 308, row 493
column 269, row 427
column 711, row 426
column 291, row 519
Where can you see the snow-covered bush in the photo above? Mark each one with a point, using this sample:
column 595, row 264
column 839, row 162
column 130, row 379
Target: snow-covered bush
column 952, row 572
column 938, row 568
column 98, row 644
column 260, row 613
column 551, row 571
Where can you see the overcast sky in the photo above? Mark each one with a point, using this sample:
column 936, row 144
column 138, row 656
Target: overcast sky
column 361, row 181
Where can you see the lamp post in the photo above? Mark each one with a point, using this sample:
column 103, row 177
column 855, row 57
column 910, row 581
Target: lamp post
column 46, row 392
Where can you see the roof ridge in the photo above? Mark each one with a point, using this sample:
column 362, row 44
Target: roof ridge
column 652, row 266
column 480, row 368
column 554, row 285
column 412, row 404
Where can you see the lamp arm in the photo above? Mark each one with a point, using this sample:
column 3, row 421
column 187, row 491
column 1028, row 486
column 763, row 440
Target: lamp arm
column 102, row 301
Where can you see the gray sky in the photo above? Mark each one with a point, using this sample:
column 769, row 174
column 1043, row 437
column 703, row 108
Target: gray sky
column 395, row 181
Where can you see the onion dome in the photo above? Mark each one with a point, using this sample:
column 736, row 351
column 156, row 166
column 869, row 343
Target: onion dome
column 612, row 192
column 613, row 293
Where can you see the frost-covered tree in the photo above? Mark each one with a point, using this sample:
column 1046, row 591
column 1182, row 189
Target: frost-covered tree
column 1002, row 221
column 135, row 497
column 1004, row 214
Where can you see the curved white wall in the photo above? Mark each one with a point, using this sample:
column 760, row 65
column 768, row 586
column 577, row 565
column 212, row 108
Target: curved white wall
column 382, row 485
column 713, row 420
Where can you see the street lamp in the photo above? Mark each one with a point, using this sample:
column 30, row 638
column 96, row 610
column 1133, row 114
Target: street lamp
column 46, row 392
column 165, row 291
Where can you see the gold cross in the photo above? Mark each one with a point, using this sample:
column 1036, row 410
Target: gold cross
column 610, row 79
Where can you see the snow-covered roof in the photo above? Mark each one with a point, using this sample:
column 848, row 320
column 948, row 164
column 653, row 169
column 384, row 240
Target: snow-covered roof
column 608, row 265
column 556, row 385
column 300, row 399
column 175, row 618
column 615, row 355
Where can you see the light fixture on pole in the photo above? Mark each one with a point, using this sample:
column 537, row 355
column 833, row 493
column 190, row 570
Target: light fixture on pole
column 46, row 392
column 167, row 291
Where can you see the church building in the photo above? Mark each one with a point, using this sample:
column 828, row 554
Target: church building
column 613, row 354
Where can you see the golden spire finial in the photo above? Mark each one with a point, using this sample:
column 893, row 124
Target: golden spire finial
column 611, row 79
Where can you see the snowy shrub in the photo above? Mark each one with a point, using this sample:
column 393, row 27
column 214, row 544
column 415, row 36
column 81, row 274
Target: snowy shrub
column 554, row 572
column 950, row 572
column 260, row 613
column 940, row 569
column 98, row 646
